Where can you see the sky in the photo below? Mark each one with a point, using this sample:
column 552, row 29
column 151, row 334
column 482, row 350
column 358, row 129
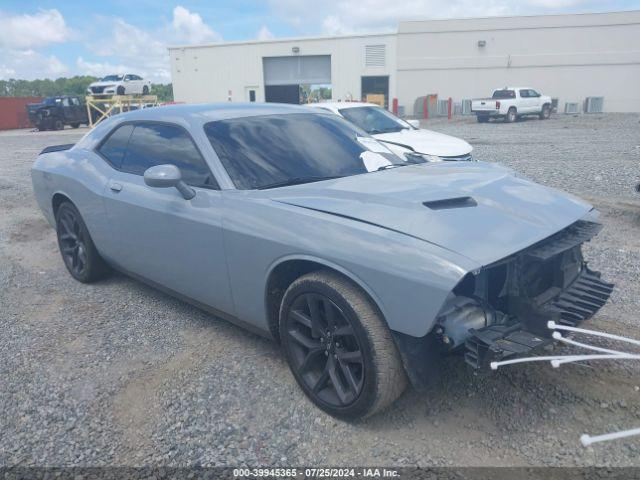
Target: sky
column 54, row 38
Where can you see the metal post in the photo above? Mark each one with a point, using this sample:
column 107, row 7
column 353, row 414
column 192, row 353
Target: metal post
column 394, row 108
column 449, row 105
column 425, row 108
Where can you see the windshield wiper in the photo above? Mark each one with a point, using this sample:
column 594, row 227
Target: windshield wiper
column 296, row 181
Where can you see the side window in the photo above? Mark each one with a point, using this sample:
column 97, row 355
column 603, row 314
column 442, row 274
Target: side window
column 136, row 77
column 75, row 101
column 65, row 102
column 524, row 93
column 115, row 146
column 533, row 93
column 127, row 77
column 157, row 144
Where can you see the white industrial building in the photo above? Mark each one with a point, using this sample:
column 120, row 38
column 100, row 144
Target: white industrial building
column 569, row 57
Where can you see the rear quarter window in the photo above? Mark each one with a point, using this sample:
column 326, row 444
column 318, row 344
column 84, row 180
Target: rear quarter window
column 114, row 148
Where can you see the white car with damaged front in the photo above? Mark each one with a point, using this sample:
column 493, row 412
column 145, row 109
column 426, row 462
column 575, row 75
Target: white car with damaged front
column 401, row 136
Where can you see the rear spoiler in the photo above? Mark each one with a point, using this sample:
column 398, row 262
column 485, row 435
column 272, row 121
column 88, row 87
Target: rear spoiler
column 57, row 148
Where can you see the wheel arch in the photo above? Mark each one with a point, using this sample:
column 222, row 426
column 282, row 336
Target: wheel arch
column 57, row 200
column 285, row 271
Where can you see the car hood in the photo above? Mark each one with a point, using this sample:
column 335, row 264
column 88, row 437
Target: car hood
column 478, row 210
column 428, row 142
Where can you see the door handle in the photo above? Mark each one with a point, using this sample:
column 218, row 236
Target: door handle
column 115, row 187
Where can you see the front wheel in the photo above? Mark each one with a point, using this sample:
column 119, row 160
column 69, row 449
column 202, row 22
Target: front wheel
column 145, row 90
column 58, row 124
column 75, row 125
column 120, row 90
column 76, row 246
column 338, row 347
column 545, row 113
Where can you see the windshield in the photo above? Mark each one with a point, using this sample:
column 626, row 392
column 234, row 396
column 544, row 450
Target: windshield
column 374, row 119
column 504, row 94
column 112, row 78
column 274, row 150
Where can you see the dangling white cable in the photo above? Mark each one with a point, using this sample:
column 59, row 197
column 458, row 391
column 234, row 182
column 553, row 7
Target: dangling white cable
column 554, row 326
column 555, row 363
column 495, row 365
column 558, row 336
column 587, row 440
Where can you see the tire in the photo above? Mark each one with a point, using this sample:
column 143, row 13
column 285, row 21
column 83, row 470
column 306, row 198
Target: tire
column 511, row 116
column 483, row 118
column 76, row 246
column 120, row 90
column 546, row 112
column 358, row 354
column 145, row 90
column 58, row 124
column 75, row 125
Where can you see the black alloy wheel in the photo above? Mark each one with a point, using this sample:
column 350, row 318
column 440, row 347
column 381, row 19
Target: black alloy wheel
column 76, row 246
column 339, row 347
column 72, row 243
column 325, row 350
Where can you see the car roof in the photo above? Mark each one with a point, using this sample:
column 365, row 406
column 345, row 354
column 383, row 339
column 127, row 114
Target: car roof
column 513, row 88
column 203, row 113
column 341, row 105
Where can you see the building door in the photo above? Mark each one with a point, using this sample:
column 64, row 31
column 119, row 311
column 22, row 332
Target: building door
column 282, row 93
column 284, row 75
column 375, row 88
column 251, row 94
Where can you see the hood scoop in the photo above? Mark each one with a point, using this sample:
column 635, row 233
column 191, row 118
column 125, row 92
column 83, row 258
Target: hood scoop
column 450, row 203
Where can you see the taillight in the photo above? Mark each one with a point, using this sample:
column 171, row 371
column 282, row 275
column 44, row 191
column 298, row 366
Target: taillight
column 497, row 105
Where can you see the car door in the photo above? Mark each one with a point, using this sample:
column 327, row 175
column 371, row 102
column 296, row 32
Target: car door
column 159, row 235
column 76, row 110
column 536, row 101
column 525, row 104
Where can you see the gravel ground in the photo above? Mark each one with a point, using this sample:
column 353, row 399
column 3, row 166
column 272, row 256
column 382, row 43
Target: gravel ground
column 118, row 373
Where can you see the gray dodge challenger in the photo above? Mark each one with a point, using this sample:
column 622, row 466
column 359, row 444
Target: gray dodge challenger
column 369, row 268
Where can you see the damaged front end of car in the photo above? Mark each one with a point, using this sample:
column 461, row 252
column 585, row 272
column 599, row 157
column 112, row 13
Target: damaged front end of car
column 501, row 311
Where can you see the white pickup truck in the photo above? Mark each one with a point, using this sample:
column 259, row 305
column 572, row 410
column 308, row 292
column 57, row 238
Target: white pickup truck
column 510, row 103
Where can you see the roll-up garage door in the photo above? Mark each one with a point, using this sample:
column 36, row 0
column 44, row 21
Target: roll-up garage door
column 297, row 70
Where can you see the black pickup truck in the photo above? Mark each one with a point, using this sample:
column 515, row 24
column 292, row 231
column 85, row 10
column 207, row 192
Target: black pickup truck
column 56, row 112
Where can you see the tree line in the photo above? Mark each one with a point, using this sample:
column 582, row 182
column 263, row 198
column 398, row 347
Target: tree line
column 66, row 86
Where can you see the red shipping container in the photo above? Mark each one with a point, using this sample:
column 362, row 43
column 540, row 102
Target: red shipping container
column 13, row 112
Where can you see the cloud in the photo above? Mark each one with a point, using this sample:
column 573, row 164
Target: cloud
column 132, row 49
column 30, row 64
column 264, row 33
column 555, row 4
column 339, row 17
column 32, row 31
column 190, row 28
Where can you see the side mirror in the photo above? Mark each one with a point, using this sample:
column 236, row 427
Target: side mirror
column 414, row 123
column 166, row 176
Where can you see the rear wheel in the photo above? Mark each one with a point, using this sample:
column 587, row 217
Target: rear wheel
column 78, row 251
column 145, row 90
column 338, row 347
column 511, row 116
column 483, row 118
column 546, row 112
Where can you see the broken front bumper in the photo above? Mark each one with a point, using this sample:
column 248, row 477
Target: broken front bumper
column 502, row 311
column 586, row 295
